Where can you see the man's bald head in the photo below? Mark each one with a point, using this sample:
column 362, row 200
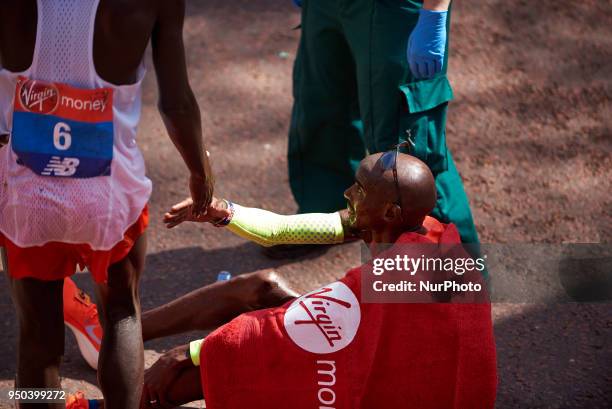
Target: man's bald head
column 417, row 187
column 417, row 191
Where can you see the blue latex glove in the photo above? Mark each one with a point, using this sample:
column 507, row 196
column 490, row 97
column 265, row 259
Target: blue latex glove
column 297, row 3
column 427, row 44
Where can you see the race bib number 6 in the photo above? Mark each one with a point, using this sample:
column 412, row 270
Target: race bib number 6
column 62, row 131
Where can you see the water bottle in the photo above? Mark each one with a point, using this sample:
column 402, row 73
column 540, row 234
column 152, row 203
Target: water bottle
column 224, row 276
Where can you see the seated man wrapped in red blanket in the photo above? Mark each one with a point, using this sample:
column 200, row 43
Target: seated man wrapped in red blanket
column 327, row 349
column 332, row 348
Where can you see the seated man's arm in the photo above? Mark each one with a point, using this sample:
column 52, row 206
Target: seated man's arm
column 172, row 381
column 268, row 228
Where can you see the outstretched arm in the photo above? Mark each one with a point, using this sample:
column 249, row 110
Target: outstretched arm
column 268, row 228
column 177, row 104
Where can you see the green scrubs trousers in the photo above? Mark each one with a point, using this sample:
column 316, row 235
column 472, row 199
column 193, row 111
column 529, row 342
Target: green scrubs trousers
column 354, row 93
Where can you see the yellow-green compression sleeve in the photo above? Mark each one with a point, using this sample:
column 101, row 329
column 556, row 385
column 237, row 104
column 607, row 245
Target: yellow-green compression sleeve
column 269, row 229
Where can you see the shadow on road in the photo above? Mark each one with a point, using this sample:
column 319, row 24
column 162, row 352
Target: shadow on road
column 555, row 356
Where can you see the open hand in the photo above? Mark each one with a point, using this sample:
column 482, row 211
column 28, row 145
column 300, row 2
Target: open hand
column 183, row 212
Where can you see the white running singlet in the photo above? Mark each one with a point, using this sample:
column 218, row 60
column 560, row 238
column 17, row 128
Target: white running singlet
column 98, row 203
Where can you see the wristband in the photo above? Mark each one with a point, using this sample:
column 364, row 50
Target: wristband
column 226, row 220
column 194, row 351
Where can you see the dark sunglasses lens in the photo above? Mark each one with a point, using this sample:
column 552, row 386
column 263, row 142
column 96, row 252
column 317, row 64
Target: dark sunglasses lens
column 388, row 160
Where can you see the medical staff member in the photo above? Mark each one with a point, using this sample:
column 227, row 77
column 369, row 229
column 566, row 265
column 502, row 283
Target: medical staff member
column 368, row 75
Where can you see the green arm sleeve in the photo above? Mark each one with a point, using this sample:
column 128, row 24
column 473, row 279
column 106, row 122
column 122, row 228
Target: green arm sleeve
column 269, row 229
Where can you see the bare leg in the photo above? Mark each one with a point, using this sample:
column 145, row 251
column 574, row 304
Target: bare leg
column 216, row 304
column 121, row 361
column 41, row 334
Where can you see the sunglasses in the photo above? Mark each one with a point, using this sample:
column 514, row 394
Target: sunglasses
column 389, row 161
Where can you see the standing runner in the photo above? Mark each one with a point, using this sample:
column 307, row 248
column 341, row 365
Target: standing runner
column 73, row 188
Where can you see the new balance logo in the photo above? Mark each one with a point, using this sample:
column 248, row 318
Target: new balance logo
column 58, row 167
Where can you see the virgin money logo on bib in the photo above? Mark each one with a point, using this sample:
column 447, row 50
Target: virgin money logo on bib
column 63, row 131
column 38, row 97
column 325, row 320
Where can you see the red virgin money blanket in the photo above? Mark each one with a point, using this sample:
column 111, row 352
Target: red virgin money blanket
column 327, row 350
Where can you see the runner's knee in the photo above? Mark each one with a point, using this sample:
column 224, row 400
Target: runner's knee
column 122, row 301
column 268, row 289
column 124, row 275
